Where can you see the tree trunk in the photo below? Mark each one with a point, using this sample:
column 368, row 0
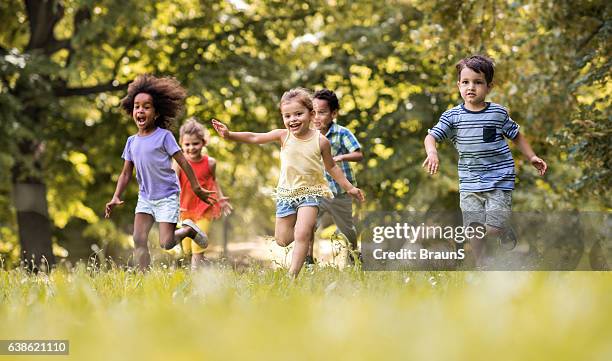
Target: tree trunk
column 30, row 200
column 226, row 230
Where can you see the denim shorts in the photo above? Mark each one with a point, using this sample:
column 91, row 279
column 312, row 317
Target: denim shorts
column 287, row 208
column 163, row 210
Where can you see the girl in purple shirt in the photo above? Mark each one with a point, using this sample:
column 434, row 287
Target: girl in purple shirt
column 154, row 103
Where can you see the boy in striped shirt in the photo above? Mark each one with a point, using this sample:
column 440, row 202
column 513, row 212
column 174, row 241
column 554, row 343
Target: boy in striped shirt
column 486, row 168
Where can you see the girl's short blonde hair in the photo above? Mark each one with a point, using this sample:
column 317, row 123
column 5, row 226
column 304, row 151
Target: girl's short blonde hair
column 193, row 127
column 301, row 95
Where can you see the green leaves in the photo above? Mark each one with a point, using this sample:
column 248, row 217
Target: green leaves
column 391, row 63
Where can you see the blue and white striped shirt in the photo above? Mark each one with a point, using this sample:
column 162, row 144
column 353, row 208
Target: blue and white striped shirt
column 485, row 161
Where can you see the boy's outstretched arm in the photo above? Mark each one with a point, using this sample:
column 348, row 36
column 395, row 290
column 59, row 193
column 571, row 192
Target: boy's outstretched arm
column 332, row 168
column 356, row 156
column 523, row 145
column 203, row 194
column 248, row 137
column 431, row 163
column 122, row 182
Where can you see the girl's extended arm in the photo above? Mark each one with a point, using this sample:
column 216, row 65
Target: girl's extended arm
column 203, row 194
column 431, row 162
column 355, row 156
column 275, row 135
column 226, row 207
column 122, row 182
column 336, row 172
column 523, row 145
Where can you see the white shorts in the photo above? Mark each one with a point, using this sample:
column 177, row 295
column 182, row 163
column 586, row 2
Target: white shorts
column 163, row 210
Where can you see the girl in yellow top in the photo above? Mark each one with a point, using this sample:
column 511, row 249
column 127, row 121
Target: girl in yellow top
column 304, row 153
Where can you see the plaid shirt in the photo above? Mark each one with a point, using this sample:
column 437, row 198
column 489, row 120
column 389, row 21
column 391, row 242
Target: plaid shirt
column 342, row 142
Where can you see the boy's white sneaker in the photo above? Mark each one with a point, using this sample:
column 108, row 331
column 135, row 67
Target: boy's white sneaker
column 200, row 238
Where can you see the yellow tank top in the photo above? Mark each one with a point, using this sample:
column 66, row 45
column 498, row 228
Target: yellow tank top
column 302, row 170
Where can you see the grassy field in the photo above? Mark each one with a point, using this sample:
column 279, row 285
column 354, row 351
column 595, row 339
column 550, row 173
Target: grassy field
column 331, row 314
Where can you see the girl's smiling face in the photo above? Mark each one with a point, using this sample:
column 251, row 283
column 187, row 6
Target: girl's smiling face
column 296, row 117
column 192, row 146
column 144, row 113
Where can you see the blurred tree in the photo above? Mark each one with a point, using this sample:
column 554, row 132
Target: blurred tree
column 64, row 63
column 36, row 59
column 61, row 63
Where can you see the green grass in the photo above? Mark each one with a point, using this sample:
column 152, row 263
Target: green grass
column 326, row 314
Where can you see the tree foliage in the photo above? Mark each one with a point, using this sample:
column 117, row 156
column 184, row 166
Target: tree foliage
column 64, row 66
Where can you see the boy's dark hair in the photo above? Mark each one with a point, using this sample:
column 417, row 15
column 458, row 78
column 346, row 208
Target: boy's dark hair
column 479, row 64
column 329, row 96
column 167, row 93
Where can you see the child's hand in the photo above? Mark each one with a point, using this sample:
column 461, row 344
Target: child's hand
column 431, row 163
column 356, row 193
column 221, row 128
column 204, row 195
column 226, row 207
column 109, row 206
column 539, row 164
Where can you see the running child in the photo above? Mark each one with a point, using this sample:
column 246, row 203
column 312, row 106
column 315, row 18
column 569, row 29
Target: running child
column 154, row 103
column 193, row 139
column 345, row 148
column 486, row 168
column 304, row 154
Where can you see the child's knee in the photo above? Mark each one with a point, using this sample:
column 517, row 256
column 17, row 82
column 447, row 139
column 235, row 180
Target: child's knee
column 494, row 231
column 303, row 235
column 283, row 241
column 167, row 243
column 140, row 241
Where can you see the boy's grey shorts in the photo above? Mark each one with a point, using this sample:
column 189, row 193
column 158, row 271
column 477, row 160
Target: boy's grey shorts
column 341, row 209
column 492, row 208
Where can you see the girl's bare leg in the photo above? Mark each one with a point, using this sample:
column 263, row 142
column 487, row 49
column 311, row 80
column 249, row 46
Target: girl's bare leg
column 167, row 238
column 198, row 260
column 284, row 230
column 142, row 226
column 303, row 231
column 183, row 232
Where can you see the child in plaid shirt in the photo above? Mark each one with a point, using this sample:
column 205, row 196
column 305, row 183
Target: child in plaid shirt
column 344, row 148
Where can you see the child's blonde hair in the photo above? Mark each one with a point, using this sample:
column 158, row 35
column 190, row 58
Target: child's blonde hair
column 301, row 95
column 193, row 127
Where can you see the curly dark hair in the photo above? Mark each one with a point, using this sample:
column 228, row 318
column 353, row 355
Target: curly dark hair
column 167, row 93
column 329, row 96
column 479, row 64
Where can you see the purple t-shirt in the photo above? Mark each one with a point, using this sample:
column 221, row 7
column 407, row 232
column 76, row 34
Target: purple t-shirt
column 152, row 157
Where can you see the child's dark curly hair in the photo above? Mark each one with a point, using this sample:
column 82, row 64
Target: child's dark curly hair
column 167, row 93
